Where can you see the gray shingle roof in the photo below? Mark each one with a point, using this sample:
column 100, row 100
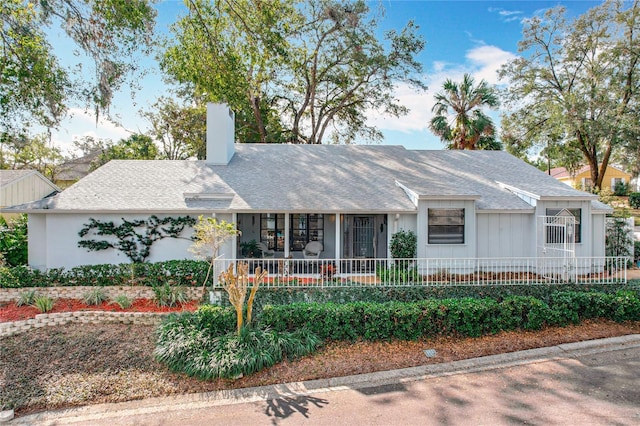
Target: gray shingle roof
column 309, row 178
column 8, row 176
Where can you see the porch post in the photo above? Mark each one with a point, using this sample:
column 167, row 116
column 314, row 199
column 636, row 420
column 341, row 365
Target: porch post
column 337, row 243
column 234, row 241
column 286, row 235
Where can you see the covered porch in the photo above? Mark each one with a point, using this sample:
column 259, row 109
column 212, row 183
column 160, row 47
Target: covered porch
column 286, row 235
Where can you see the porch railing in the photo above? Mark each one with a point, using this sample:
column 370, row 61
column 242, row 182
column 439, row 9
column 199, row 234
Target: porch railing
column 296, row 273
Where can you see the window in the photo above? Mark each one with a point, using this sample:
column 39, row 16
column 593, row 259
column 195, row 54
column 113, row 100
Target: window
column 587, row 184
column 306, row 228
column 446, row 226
column 303, row 229
column 577, row 230
column 272, row 230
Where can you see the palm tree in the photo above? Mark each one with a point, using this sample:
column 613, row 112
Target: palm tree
column 459, row 120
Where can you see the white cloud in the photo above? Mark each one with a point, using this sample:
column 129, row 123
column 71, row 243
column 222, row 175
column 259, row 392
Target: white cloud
column 487, row 60
column 483, row 62
column 81, row 123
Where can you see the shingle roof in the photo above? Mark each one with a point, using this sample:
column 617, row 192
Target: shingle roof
column 304, row 178
column 9, row 176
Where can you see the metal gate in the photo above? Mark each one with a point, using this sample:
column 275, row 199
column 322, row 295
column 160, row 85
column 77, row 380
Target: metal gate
column 363, row 237
column 557, row 246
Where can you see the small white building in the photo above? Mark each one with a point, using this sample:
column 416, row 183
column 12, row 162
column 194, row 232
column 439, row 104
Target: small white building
column 350, row 198
column 23, row 186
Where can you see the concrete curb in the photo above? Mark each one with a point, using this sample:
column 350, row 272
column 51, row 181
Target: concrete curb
column 238, row 396
column 6, row 416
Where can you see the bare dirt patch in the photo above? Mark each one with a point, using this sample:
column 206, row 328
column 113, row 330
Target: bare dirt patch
column 64, row 366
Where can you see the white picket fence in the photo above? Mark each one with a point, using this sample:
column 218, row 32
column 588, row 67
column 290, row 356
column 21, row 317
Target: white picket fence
column 298, row 273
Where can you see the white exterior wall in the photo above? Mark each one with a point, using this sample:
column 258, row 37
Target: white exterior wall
column 599, row 232
column 37, row 243
column 55, row 243
column 506, row 235
column 466, row 250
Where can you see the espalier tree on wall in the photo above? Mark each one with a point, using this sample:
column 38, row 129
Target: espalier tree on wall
column 134, row 238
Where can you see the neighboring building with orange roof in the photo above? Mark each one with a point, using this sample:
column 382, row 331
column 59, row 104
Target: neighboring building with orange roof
column 581, row 178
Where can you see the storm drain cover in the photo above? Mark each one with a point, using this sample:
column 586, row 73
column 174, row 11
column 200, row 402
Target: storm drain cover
column 430, row 353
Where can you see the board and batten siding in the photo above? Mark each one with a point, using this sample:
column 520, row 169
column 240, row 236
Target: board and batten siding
column 447, row 251
column 56, row 241
column 505, row 235
column 599, row 233
column 30, row 188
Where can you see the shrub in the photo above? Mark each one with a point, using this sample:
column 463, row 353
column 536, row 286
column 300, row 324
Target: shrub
column 621, row 188
column 94, row 297
column 188, row 348
column 524, row 312
column 403, row 245
column 43, row 303
column 123, row 301
column 27, row 298
column 187, row 273
column 166, row 295
column 398, row 275
column 634, row 200
column 14, row 241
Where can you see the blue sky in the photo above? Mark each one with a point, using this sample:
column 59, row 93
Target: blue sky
column 474, row 37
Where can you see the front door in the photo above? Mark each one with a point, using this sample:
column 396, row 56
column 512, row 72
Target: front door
column 363, row 236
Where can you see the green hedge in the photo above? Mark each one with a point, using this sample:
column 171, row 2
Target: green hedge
column 542, row 292
column 410, row 321
column 634, row 200
column 174, row 272
column 430, row 318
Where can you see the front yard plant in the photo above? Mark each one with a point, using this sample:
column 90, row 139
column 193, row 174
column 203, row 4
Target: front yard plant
column 123, row 301
column 43, row 303
column 203, row 344
column 94, row 297
column 167, row 295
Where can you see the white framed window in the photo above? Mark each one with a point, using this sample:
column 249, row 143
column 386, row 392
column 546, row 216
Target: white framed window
column 445, row 226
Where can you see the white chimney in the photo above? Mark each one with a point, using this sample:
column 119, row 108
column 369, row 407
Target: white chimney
column 220, row 134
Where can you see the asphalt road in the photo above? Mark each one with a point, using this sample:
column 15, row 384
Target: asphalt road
column 591, row 383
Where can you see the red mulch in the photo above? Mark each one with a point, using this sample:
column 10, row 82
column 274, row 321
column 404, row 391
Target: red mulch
column 11, row 312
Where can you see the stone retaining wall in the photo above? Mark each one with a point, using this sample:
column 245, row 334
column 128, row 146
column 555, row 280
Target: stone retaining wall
column 77, row 292
column 82, row 317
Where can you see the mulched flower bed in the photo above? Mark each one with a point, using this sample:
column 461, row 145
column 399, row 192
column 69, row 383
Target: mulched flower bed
column 11, row 312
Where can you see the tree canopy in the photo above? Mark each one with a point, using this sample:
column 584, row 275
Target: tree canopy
column 180, row 130
column 35, row 87
column 575, row 86
column 459, row 120
column 293, row 71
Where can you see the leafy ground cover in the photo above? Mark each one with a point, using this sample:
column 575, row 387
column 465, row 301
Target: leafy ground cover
column 65, row 366
column 9, row 311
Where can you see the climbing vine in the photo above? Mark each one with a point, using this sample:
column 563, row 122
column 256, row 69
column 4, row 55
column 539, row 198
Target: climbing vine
column 133, row 237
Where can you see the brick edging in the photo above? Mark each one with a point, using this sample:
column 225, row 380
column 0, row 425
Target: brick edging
column 82, row 317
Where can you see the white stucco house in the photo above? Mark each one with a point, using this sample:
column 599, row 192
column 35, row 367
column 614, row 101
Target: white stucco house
column 350, row 198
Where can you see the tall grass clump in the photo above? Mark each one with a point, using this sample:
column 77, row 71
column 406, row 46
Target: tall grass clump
column 123, row 301
column 94, row 297
column 207, row 345
column 43, row 303
column 167, row 295
column 27, row 298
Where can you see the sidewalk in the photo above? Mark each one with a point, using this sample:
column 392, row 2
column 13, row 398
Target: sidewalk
column 565, row 377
